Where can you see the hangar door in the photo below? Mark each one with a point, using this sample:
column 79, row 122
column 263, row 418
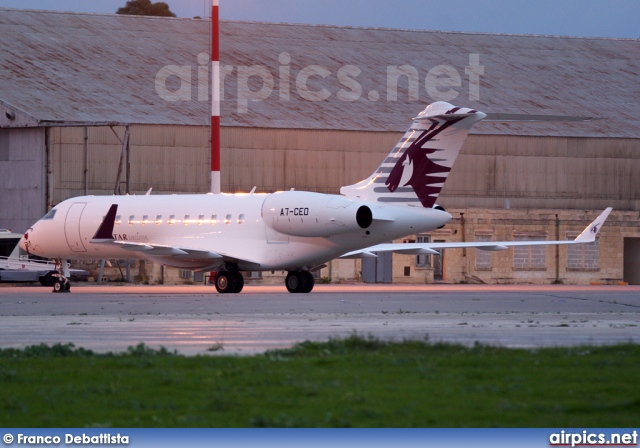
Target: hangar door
column 378, row 270
column 631, row 273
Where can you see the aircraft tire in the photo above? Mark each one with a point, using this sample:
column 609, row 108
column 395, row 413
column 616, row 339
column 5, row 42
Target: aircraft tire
column 48, row 279
column 295, row 282
column 239, row 279
column 308, row 276
column 61, row 285
column 226, row 282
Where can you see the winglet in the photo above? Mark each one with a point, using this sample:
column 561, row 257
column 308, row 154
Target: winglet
column 104, row 234
column 588, row 235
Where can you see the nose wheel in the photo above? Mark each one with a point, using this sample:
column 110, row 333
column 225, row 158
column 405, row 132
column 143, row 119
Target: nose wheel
column 299, row 282
column 62, row 284
column 57, row 278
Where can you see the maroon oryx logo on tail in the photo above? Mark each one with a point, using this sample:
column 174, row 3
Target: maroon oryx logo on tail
column 414, row 168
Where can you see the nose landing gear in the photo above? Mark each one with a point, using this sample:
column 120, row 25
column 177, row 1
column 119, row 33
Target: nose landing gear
column 60, row 282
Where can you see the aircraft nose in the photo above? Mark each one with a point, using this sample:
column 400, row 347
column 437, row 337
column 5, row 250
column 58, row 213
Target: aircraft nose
column 25, row 241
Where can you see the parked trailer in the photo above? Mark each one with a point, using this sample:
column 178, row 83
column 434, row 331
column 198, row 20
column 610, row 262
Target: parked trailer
column 16, row 266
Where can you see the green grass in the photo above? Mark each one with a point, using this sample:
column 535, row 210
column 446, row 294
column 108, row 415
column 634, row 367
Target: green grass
column 354, row 382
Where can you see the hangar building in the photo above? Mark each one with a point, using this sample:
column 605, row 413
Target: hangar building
column 318, row 107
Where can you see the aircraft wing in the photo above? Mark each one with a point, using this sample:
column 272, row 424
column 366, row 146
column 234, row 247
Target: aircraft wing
column 104, row 235
column 588, row 235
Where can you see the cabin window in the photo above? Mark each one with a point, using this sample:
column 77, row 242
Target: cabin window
column 158, row 220
column 214, row 219
column 200, row 219
column 241, row 218
column 118, row 220
column 172, row 219
column 132, row 219
column 145, row 219
column 186, row 219
column 227, row 219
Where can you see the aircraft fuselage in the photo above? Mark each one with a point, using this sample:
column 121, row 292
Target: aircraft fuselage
column 281, row 231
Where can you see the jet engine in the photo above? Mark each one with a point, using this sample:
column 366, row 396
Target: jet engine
column 303, row 213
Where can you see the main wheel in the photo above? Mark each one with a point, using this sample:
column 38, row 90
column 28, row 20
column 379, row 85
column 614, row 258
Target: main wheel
column 226, row 282
column 239, row 282
column 296, row 282
column 308, row 276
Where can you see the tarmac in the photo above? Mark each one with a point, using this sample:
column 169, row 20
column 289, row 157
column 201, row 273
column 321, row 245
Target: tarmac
column 194, row 319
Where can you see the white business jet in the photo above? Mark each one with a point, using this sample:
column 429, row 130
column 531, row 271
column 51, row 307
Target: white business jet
column 296, row 231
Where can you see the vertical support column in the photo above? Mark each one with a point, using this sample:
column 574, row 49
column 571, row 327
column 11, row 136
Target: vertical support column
column 128, row 161
column 215, row 98
column 86, row 160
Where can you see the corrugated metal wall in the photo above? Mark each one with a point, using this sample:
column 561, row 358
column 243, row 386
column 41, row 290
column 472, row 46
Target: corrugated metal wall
column 277, row 159
column 492, row 172
column 22, row 179
column 545, row 173
column 177, row 159
column 167, row 158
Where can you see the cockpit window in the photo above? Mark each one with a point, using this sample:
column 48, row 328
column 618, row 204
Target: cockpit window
column 50, row 215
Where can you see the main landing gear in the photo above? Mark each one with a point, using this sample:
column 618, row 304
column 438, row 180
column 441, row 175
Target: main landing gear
column 229, row 282
column 299, row 281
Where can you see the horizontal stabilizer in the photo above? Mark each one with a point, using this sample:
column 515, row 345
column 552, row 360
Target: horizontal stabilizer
column 445, row 117
column 528, row 117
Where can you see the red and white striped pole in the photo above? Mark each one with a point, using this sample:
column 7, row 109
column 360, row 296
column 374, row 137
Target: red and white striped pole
column 215, row 98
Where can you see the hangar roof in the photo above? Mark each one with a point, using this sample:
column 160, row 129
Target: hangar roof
column 90, row 68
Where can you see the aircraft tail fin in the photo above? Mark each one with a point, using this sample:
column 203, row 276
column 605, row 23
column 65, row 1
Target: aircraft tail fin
column 415, row 170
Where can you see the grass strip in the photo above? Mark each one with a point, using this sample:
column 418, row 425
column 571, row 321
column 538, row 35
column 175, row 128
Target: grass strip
column 352, row 382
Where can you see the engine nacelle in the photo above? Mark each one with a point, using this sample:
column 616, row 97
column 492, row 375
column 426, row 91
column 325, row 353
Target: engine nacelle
column 303, row 213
